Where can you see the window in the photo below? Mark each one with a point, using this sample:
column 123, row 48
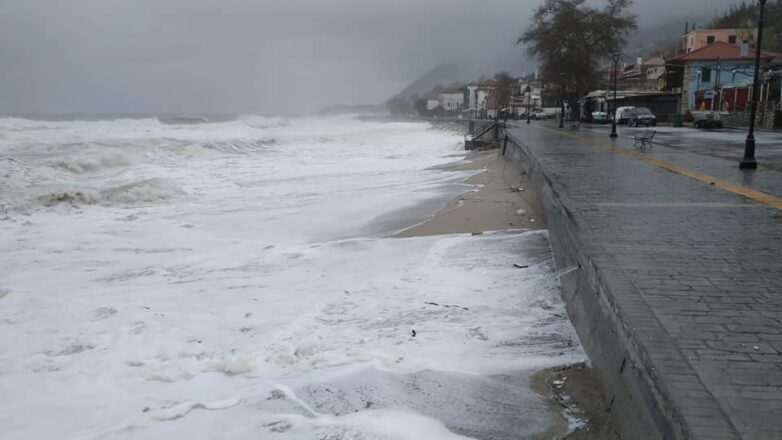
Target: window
column 732, row 39
column 710, row 39
column 705, row 75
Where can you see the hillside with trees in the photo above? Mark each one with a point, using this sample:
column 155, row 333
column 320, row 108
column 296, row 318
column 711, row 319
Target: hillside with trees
column 739, row 16
column 745, row 15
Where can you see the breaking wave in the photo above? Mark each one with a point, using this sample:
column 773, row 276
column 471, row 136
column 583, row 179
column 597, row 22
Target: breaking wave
column 144, row 191
column 184, row 120
column 262, row 122
column 242, row 146
column 21, row 124
column 93, row 162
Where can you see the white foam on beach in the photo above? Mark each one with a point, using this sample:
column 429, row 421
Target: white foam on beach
column 210, row 283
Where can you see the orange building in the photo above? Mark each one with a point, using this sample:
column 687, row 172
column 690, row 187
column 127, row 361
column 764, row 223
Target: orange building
column 700, row 38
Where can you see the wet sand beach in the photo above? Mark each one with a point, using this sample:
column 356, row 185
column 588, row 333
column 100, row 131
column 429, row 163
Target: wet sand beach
column 505, row 199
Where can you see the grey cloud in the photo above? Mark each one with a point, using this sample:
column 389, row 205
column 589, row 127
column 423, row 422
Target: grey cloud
column 187, row 56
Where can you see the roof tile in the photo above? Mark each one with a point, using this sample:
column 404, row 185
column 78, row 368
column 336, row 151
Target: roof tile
column 723, row 51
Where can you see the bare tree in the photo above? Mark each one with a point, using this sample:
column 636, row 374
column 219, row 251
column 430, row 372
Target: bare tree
column 504, row 89
column 571, row 38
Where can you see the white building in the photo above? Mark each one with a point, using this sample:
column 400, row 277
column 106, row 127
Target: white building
column 472, row 97
column 534, row 97
column 522, row 100
column 482, row 98
column 478, row 98
column 452, row 100
column 432, row 103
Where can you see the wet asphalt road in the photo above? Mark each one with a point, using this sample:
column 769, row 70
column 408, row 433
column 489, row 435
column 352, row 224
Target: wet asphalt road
column 725, row 143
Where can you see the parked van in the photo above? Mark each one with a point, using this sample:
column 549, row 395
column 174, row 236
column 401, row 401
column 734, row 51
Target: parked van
column 623, row 114
column 642, row 116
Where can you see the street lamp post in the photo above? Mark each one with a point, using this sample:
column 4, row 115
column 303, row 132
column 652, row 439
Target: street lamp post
column 749, row 162
column 615, row 59
column 562, row 101
column 529, row 104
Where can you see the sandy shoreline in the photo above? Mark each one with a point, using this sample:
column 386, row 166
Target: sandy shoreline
column 505, row 199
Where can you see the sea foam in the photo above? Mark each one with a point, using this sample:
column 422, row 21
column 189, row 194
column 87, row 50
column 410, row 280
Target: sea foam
column 232, row 279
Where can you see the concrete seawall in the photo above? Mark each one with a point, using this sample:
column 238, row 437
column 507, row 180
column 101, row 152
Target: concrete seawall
column 603, row 319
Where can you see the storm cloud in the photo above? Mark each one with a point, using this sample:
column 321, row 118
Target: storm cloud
column 241, row 56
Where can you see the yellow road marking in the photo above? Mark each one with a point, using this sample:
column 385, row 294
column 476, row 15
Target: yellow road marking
column 745, row 191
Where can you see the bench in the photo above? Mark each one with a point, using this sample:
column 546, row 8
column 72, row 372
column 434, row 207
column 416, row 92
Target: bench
column 645, row 140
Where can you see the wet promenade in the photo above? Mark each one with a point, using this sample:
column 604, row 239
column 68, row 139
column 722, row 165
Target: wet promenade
column 679, row 299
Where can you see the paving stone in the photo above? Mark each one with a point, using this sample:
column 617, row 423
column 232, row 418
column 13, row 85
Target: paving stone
column 706, row 261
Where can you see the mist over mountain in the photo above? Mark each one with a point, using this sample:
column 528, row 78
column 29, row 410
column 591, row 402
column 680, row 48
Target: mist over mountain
column 651, row 38
column 444, row 74
column 655, row 32
column 511, row 59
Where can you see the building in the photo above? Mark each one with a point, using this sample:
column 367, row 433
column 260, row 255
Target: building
column 700, row 38
column 664, row 105
column 643, row 75
column 719, row 77
column 432, row 103
column 479, row 105
column 646, row 75
column 472, row 98
column 521, row 99
column 452, row 99
column 654, row 69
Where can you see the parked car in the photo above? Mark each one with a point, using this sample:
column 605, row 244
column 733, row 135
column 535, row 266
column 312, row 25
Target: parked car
column 641, row 116
column 541, row 113
column 599, row 117
column 707, row 119
column 622, row 114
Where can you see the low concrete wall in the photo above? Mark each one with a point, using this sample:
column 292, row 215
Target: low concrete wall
column 627, row 378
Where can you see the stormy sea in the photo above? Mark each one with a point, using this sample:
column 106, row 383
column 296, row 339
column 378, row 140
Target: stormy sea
column 239, row 279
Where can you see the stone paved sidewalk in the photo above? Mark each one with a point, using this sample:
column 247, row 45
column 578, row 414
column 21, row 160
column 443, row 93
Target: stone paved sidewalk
column 694, row 271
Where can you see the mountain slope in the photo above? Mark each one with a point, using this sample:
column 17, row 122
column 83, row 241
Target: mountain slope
column 512, row 62
column 444, row 74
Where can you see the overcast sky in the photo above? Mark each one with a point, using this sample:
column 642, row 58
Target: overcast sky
column 243, row 56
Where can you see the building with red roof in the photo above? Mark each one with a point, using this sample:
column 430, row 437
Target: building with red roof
column 719, row 77
column 698, row 38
